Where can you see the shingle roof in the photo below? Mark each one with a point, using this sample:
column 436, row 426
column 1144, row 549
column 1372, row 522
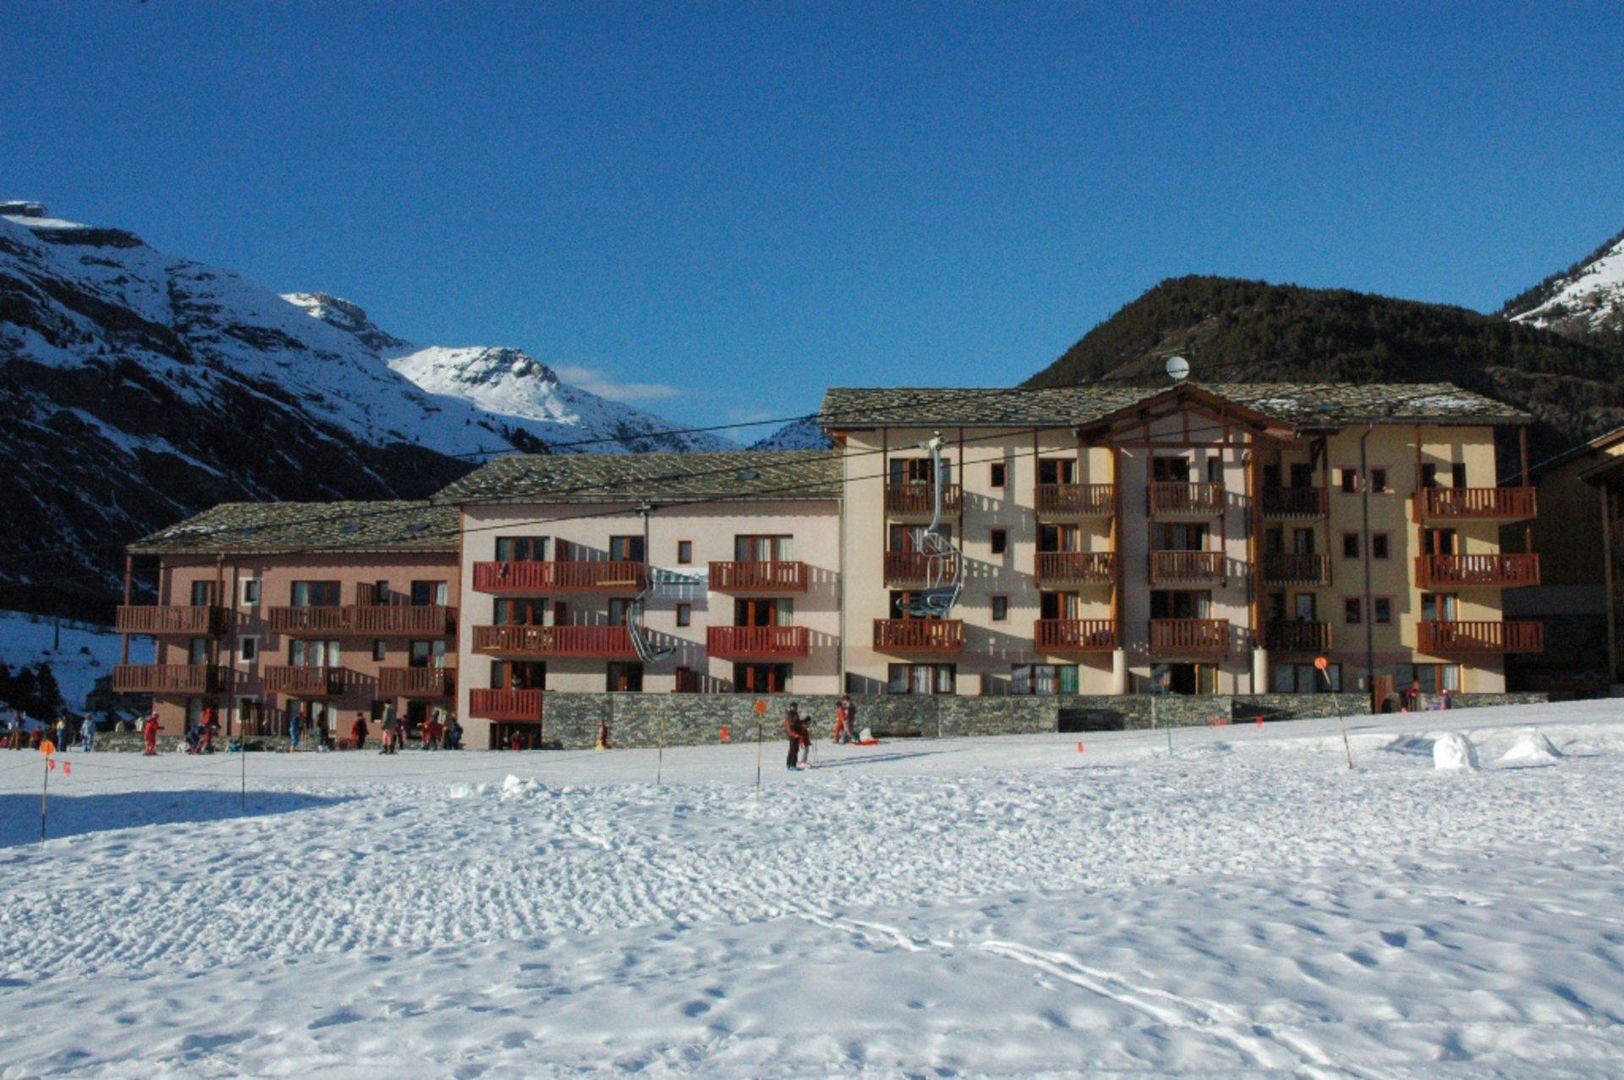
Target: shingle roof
column 663, row 477
column 1301, row 404
column 287, row 526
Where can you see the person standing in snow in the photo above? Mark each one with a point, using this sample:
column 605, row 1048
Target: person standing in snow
column 295, row 718
column 796, row 731
column 358, row 731
column 149, row 734
column 61, row 731
column 1412, row 696
column 845, row 719
column 453, row 735
column 211, row 728
column 87, row 733
column 391, row 733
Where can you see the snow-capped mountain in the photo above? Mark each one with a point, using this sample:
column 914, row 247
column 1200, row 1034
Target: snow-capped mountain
column 1586, row 299
column 802, row 434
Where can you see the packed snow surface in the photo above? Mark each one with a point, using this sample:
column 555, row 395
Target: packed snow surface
column 1243, row 905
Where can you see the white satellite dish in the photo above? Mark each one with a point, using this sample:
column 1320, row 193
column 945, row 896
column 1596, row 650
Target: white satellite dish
column 1178, row 368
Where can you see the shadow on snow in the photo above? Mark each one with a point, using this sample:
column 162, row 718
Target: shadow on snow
column 79, row 815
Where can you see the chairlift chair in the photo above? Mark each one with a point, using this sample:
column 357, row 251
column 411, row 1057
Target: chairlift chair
column 646, row 651
column 944, row 563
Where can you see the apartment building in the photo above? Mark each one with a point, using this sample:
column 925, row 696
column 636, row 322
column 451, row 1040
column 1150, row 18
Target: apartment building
column 1197, row 539
column 266, row 610
column 660, row 573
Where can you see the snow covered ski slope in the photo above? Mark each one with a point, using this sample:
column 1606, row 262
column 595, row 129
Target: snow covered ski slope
column 1012, row 906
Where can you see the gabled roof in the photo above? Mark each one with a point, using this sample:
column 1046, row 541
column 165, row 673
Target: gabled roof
column 1303, row 405
column 662, row 477
column 247, row 528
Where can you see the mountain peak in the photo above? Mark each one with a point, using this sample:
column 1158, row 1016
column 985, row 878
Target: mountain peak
column 347, row 316
column 1586, row 298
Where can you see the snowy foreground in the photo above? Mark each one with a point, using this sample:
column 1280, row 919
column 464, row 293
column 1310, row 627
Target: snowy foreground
column 1005, row 906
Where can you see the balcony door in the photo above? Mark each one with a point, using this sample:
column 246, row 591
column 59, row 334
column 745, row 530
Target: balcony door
column 1057, row 538
column 907, row 537
column 761, row 678
column 771, row 611
column 626, row 549
column 429, row 594
column 521, row 549
column 1180, row 604
column 918, row 470
column 518, row 675
column 314, row 594
column 1302, row 474
column 426, row 654
column 761, row 548
column 202, row 593
column 624, row 677
column 1181, row 536
column 1439, row 607
column 1057, row 471
column 1170, row 470
column 523, row 611
column 313, row 653
column 1057, row 605
column 1438, row 541
column 197, row 651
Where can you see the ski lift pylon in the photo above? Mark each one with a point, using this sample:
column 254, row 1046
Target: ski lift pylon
column 944, row 564
column 647, row 652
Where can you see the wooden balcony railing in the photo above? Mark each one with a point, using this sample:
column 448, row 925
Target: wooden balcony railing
column 527, row 577
column 909, row 567
column 371, row 620
column 1298, row 636
column 172, row 679
column 1481, row 504
column 1292, row 568
column 1450, row 638
column 758, row 576
column 1076, row 500
column 1089, row 567
column 919, row 635
column 1504, row 570
column 504, row 704
column 588, row 641
column 1188, row 567
column 429, row 682
column 1075, row 635
column 1173, row 499
column 307, row 681
column 1294, row 502
column 1189, row 637
column 758, row 642
column 193, row 621
column 914, row 500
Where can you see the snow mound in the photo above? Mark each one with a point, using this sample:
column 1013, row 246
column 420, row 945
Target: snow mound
column 1531, row 746
column 1454, row 751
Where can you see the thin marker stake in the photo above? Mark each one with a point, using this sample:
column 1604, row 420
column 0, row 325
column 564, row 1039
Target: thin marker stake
column 44, row 792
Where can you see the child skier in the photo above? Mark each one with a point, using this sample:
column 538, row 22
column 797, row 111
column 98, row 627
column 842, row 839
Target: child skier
column 796, row 731
column 149, row 735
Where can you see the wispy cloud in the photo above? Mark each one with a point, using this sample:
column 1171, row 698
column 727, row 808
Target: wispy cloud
column 604, row 384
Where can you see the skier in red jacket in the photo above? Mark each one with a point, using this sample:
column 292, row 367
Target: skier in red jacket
column 149, row 734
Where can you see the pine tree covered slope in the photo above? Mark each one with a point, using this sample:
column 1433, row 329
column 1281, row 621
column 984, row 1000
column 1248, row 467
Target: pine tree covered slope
column 1253, row 331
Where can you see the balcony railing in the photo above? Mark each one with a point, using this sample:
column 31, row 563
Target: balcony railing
column 1502, row 569
column 758, row 577
column 1188, row 500
column 1294, row 502
column 585, row 641
column 1189, row 637
column 757, row 642
column 528, row 577
column 1076, row 500
column 919, row 635
column 1298, row 636
column 1188, row 567
column 1480, row 504
column 193, row 621
column 371, row 620
column 1450, row 638
column 504, row 704
column 917, row 499
column 1072, row 567
column 307, row 681
column 1075, row 635
column 430, row 682
column 910, row 567
column 172, row 679
column 1292, row 568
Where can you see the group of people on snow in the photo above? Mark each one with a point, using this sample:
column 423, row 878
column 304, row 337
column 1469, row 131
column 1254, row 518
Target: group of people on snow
column 798, row 729
column 20, row 731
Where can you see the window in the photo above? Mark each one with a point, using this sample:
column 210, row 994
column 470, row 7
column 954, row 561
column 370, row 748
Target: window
column 620, row 610
column 1378, row 545
column 761, row 678
column 999, row 539
column 685, row 552
column 624, row 677
column 250, row 591
column 1053, row 471
column 687, row 681
column 1043, row 679
column 197, row 651
column 1302, row 541
column 314, row 594
column 685, row 614
column 521, row 549
column 1350, row 545
column 1304, row 679
column 1215, row 469
column 1378, row 481
column 520, row 612
column 779, row 611
column 1382, row 612
column 917, row 470
column 518, row 675
column 377, row 594
column 202, row 593
column 422, row 654
column 380, row 649
column 1307, row 607
column 1429, row 475
column 1350, row 481
column 429, row 593
column 1000, row 608
column 999, row 474
column 625, row 549
column 920, row 679
column 1170, row 470
column 247, row 649
column 1433, row 678
column 1353, row 609
column 303, row 653
column 1457, row 474
column 748, row 548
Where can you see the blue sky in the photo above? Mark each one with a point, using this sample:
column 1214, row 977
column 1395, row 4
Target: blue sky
column 720, row 210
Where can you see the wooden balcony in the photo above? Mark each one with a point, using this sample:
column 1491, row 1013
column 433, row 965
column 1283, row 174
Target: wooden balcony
column 1293, row 502
column 188, row 621
column 1075, row 635
column 1291, row 568
column 917, row 500
column 1188, row 568
column 1503, row 570
column 1202, row 638
column 1072, row 501
column 417, row 682
column 1076, row 567
column 172, row 679
column 559, row 577
column 759, row 577
column 486, row 704
column 1475, row 504
column 1298, row 636
column 307, row 681
column 932, row 636
column 1184, row 500
column 367, row 620
column 908, row 567
column 555, row 641
column 758, row 642
column 1454, row 638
